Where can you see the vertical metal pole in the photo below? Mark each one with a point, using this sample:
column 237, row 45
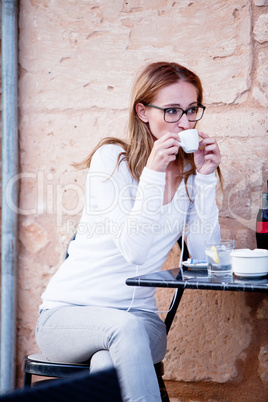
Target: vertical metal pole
column 9, row 192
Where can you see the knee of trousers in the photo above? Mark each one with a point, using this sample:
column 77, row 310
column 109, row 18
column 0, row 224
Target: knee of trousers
column 130, row 333
column 101, row 360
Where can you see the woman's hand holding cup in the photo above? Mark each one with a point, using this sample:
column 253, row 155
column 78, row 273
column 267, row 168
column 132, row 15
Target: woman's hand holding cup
column 208, row 157
column 164, row 151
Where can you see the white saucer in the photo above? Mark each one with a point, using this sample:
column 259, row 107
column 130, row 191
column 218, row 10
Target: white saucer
column 196, row 266
column 251, row 274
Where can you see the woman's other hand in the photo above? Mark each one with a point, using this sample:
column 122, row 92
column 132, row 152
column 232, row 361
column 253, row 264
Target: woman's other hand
column 208, row 157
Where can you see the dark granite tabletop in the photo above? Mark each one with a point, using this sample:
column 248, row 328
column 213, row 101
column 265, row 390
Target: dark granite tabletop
column 199, row 279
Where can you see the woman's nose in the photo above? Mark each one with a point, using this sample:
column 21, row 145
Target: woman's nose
column 184, row 123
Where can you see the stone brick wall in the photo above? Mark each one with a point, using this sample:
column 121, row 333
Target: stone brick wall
column 77, row 61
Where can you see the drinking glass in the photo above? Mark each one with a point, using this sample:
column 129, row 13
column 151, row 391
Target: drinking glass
column 219, row 257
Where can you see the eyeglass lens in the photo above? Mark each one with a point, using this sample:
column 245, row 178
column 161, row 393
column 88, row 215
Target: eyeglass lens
column 174, row 114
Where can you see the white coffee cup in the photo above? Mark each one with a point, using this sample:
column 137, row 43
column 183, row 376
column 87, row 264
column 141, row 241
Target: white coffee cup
column 189, row 140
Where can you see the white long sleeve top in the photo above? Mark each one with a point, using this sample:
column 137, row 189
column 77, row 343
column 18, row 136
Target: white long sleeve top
column 126, row 230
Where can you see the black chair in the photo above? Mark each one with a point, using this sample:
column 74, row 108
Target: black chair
column 38, row 364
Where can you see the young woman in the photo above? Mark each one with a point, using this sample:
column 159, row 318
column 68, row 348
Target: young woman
column 140, row 195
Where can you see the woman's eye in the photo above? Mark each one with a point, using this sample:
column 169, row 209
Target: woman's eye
column 172, row 111
column 192, row 110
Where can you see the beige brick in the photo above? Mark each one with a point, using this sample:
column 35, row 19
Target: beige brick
column 261, row 3
column 261, row 29
column 260, row 93
column 263, row 363
column 208, row 336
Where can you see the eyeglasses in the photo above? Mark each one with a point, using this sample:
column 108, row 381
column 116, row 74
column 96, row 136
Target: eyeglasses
column 174, row 114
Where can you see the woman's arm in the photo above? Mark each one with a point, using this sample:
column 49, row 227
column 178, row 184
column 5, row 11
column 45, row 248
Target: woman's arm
column 129, row 209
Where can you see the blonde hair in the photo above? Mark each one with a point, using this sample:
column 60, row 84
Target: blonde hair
column 139, row 143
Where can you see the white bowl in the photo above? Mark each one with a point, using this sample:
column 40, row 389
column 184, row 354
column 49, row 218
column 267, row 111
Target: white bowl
column 250, row 263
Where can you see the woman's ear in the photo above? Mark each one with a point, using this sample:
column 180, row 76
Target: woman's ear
column 142, row 112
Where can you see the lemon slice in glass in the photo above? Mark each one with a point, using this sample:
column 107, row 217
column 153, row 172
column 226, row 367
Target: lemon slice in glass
column 216, row 257
column 212, row 253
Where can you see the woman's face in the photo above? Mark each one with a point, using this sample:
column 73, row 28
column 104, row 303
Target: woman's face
column 181, row 94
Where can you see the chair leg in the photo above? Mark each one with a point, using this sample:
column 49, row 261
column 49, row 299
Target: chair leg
column 163, row 390
column 27, row 380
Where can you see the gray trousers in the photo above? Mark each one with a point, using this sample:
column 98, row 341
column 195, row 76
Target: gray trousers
column 132, row 342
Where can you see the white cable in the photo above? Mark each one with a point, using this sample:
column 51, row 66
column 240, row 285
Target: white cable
column 180, row 266
column 134, row 290
column 182, row 245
